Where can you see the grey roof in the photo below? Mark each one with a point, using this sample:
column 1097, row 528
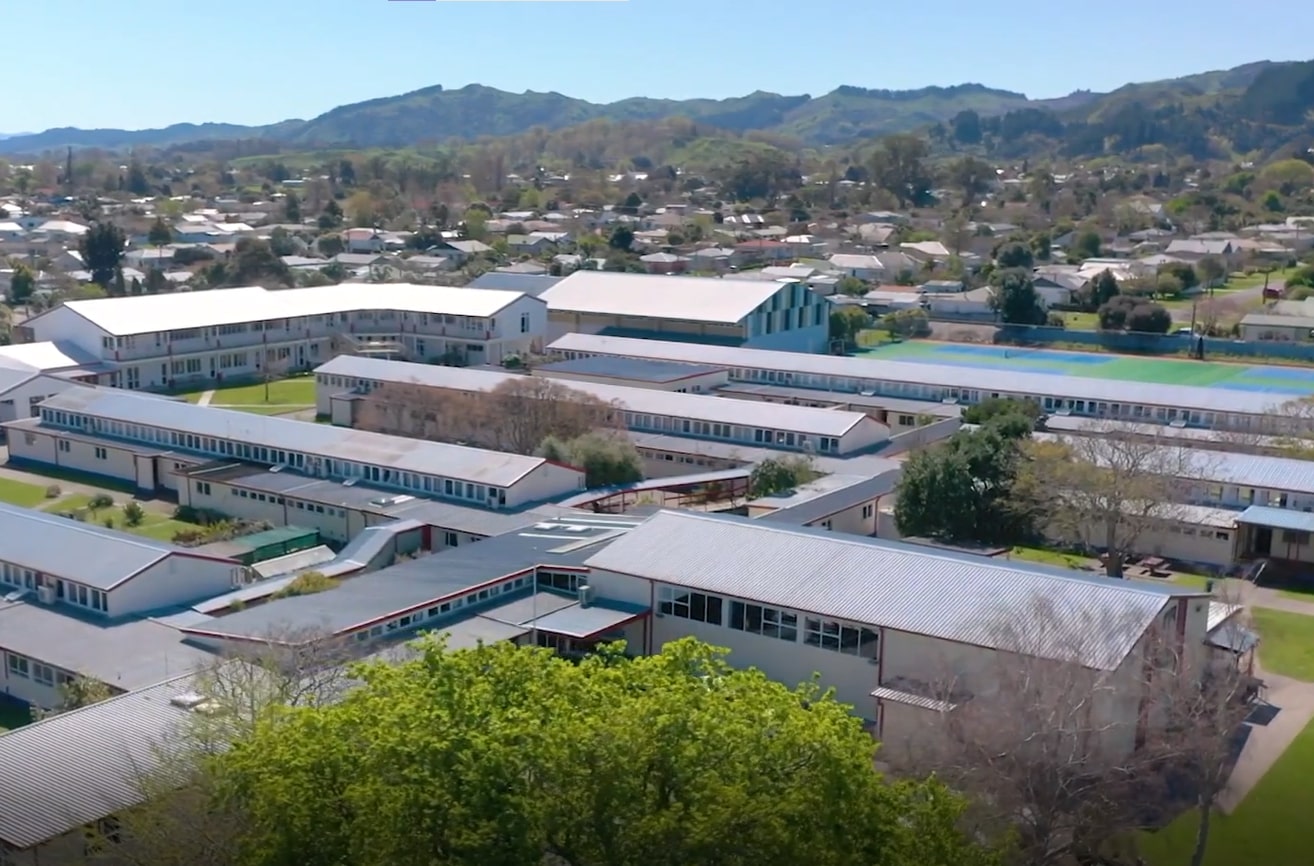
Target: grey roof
column 419, row 582
column 833, row 494
column 502, row 281
column 83, row 552
column 1277, row 518
column 867, row 373
column 1260, row 320
column 408, row 455
column 651, row 401
column 585, row 622
column 363, row 497
column 839, row 398
column 953, row 597
column 634, row 369
column 78, row 767
column 13, row 376
column 127, row 654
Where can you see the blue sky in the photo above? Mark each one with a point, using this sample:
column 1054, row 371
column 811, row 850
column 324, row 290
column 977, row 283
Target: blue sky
column 147, row 63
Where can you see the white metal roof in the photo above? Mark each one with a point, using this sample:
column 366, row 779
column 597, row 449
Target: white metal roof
column 673, row 404
column 858, row 370
column 407, row 455
column 45, row 356
column 144, row 314
column 695, row 299
column 951, row 596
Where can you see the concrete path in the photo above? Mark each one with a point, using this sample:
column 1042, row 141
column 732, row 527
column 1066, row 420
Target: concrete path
column 1267, row 743
column 1261, row 596
column 205, row 398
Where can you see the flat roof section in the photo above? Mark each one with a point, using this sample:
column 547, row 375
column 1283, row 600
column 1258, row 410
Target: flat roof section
column 630, row 369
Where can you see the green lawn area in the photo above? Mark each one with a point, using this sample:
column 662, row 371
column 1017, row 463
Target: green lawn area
column 21, row 493
column 1298, row 594
column 1286, row 642
column 158, row 527
column 1270, row 827
column 1047, row 557
column 295, row 391
column 1081, row 321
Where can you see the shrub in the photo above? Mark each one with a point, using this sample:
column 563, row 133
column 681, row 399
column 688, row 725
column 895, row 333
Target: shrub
column 108, row 522
column 307, row 583
column 188, row 537
column 53, row 492
column 100, row 502
column 133, row 514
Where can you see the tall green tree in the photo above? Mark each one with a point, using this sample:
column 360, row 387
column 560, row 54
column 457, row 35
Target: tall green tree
column 1103, row 288
column 22, row 283
column 963, row 489
column 136, row 182
column 102, row 251
column 898, row 166
column 160, row 233
column 510, row 755
column 1015, row 298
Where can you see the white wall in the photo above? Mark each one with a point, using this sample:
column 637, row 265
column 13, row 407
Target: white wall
column 178, row 579
column 17, row 402
column 865, row 434
column 67, row 326
column 548, row 481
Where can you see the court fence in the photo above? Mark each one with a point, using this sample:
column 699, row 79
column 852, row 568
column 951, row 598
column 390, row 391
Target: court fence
column 1151, row 344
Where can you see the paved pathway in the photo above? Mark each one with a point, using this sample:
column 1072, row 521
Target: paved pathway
column 205, row 398
column 1266, row 743
column 1262, row 596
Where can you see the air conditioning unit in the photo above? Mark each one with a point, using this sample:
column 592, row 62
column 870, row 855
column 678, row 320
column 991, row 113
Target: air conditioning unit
column 46, row 594
column 585, row 593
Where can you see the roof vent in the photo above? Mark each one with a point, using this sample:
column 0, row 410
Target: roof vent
column 188, row 700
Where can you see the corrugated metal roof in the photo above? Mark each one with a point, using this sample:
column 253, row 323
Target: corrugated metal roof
column 75, row 768
column 1277, row 518
column 831, row 495
column 90, row 554
column 529, row 284
column 325, row 440
column 144, row 314
column 866, row 372
column 645, row 401
column 692, row 299
column 633, row 369
column 585, row 622
column 126, row 654
column 885, row 584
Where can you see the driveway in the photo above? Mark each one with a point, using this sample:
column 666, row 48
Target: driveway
column 1293, row 701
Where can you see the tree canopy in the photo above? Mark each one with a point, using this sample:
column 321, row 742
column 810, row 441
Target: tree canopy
column 507, row 755
column 102, row 251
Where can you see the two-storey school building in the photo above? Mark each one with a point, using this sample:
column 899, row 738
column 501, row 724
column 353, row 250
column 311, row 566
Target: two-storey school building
column 194, row 338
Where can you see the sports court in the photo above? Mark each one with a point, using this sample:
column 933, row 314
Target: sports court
column 1125, row 368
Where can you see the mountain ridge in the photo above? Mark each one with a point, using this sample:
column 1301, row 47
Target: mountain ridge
column 847, row 115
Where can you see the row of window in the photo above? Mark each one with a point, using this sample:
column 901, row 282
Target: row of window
column 25, row 668
column 304, row 322
column 729, row 432
column 769, row 622
column 940, row 393
column 311, row 464
column 443, row 609
column 65, row 590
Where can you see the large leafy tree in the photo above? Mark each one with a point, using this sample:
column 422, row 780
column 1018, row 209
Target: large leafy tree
column 506, row 755
column 1015, row 298
column 102, row 251
column 963, row 490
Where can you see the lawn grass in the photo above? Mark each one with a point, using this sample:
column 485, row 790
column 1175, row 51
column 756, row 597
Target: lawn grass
column 21, row 493
column 72, row 502
column 1081, row 321
column 1305, row 594
column 298, row 390
column 268, row 410
column 1270, row 827
column 158, row 527
column 1048, row 557
column 1286, row 642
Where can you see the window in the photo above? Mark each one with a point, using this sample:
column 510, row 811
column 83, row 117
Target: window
column 203, row 487
column 868, row 510
column 1295, row 536
column 695, row 606
column 840, row 638
column 524, row 323
column 450, row 539
column 100, row 453
column 18, row 666
column 63, row 445
column 766, row 621
column 43, row 674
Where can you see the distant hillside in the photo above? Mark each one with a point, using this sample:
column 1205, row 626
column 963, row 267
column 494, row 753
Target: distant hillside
column 1257, row 107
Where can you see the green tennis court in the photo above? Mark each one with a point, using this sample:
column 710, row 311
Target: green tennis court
column 1123, row 368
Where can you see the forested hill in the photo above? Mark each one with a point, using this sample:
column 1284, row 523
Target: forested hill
column 1258, row 107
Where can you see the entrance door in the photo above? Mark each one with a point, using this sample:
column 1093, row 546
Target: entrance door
column 1263, row 541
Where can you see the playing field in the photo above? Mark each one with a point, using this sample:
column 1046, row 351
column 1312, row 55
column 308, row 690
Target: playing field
column 1124, row 368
